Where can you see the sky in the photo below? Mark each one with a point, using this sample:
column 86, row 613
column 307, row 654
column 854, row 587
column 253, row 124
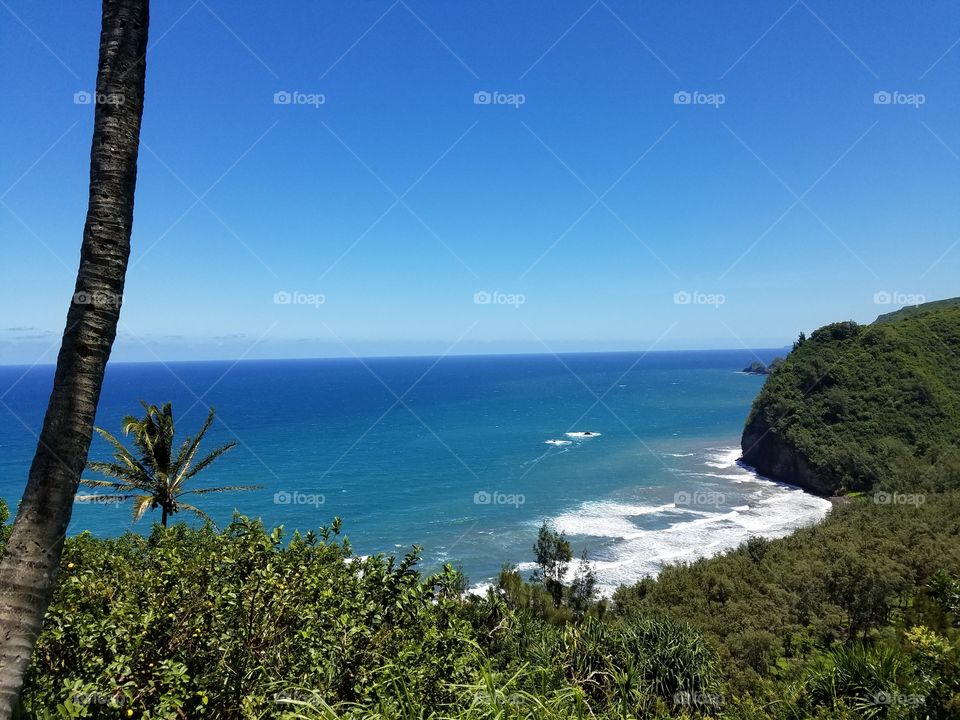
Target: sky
column 417, row 177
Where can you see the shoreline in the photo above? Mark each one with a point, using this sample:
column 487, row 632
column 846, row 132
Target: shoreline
column 626, row 550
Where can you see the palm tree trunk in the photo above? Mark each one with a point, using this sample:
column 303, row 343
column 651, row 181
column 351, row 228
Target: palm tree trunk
column 32, row 556
column 163, row 517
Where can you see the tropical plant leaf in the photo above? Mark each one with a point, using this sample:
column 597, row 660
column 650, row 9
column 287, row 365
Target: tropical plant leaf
column 200, row 466
column 120, row 452
column 196, row 511
column 88, row 482
column 140, row 505
column 183, row 463
column 132, row 477
column 225, row 488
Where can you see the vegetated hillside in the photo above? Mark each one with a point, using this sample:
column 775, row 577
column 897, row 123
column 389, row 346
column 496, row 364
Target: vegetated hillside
column 911, row 310
column 856, row 407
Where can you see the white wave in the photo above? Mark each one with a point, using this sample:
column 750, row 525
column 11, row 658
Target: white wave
column 723, row 457
column 582, row 435
column 648, row 553
column 479, row 589
column 741, row 477
column 679, row 454
column 627, row 552
column 558, row 442
column 609, row 519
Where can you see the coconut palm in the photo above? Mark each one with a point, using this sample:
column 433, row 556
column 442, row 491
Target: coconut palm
column 32, row 554
column 155, row 476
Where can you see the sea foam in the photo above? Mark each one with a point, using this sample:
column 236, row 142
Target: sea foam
column 622, row 552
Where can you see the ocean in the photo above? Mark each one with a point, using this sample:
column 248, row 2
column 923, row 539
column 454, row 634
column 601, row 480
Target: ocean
column 632, row 455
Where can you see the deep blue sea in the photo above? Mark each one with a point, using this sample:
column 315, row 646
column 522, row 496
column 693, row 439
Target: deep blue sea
column 464, row 456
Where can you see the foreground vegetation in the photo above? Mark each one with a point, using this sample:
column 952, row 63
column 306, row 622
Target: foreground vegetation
column 854, row 618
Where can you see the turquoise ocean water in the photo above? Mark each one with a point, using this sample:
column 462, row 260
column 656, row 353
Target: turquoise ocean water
column 464, row 456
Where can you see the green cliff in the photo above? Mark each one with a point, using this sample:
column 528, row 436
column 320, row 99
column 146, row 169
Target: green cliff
column 857, row 407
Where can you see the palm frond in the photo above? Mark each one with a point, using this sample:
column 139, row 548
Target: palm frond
column 130, row 423
column 163, row 441
column 178, row 462
column 214, row 454
column 192, row 445
column 120, row 451
column 196, row 511
column 142, row 430
column 141, row 504
column 89, row 482
column 132, row 476
column 226, row 488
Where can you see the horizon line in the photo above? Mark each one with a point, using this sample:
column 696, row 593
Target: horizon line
column 425, row 356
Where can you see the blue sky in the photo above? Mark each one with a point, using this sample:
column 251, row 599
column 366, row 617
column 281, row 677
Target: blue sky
column 590, row 205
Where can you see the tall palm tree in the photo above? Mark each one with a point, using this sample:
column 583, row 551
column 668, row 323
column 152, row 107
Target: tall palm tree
column 32, row 554
column 157, row 477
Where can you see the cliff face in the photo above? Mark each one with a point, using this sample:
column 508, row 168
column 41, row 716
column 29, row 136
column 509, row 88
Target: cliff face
column 775, row 457
column 862, row 407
